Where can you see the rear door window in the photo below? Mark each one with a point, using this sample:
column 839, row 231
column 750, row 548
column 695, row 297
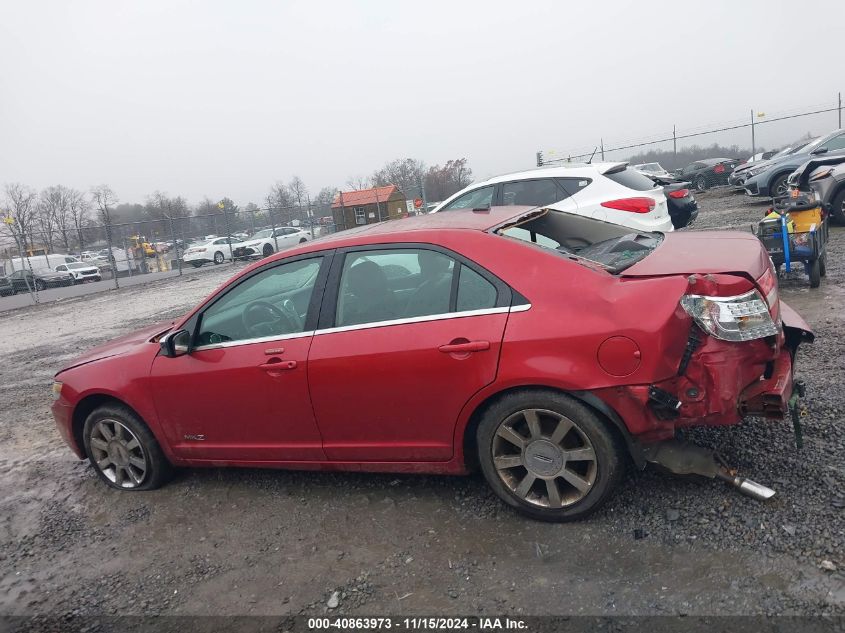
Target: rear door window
column 476, row 199
column 532, row 193
column 631, row 179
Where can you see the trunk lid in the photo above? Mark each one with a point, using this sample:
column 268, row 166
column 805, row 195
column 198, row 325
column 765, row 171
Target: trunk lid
column 703, row 252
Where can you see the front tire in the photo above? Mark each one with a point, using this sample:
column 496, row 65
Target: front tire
column 267, row 250
column 123, row 451
column 548, row 455
column 837, row 207
column 40, row 285
column 778, row 187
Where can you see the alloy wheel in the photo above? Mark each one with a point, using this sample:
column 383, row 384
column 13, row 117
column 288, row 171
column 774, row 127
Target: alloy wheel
column 218, row 257
column 544, row 458
column 118, row 454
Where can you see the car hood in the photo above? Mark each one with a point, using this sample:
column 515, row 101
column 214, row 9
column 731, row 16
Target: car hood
column 704, row 252
column 119, row 346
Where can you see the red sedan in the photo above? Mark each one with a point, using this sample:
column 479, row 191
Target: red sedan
column 544, row 348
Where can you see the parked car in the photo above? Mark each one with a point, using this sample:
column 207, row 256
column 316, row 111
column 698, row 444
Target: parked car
column 81, row 271
column 682, row 205
column 546, row 347
column 606, row 191
column 740, row 173
column 6, row 287
column 769, row 178
column 651, row 169
column 825, row 176
column 216, row 250
column 39, row 279
column 708, row 172
column 265, row 243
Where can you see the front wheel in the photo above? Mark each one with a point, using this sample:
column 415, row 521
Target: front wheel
column 123, row 451
column 548, row 455
column 40, row 285
column 779, row 188
column 267, row 250
column 837, row 207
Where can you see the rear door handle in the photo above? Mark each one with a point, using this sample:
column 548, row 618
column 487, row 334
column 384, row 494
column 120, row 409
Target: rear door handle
column 277, row 364
column 464, row 348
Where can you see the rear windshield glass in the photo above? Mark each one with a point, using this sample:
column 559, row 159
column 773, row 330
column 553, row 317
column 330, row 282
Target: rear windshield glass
column 631, row 179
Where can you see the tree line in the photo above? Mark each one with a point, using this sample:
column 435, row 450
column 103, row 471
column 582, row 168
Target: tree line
column 61, row 217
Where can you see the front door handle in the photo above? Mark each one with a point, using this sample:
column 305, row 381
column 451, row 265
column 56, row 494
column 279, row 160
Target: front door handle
column 277, row 364
column 465, row 348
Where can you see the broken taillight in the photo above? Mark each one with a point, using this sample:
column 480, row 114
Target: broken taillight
column 768, row 284
column 633, row 205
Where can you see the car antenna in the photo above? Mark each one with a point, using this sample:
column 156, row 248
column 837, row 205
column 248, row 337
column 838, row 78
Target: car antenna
column 590, row 162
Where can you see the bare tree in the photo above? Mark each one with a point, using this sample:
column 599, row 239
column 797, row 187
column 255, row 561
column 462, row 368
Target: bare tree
column 48, row 208
column 406, row 173
column 56, row 200
column 279, row 200
column 442, row 182
column 105, row 200
column 356, row 183
column 22, row 208
column 323, row 201
column 298, row 193
column 78, row 209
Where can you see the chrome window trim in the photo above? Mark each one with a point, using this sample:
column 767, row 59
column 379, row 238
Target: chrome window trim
column 250, row 341
column 367, row 326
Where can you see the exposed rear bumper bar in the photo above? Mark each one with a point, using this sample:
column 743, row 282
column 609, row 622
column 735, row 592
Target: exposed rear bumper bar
column 769, row 398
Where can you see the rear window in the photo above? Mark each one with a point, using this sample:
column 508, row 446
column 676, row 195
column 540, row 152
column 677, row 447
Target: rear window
column 631, row 179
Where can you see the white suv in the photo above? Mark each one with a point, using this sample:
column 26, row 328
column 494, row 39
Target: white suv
column 605, row 191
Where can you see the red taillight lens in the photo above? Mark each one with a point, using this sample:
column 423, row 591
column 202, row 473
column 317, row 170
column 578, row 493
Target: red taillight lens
column 633, row 205
column 719, row 169
column 680, row 193
column 768, row 284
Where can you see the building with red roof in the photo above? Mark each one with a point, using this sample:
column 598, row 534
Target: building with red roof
column 367, row 206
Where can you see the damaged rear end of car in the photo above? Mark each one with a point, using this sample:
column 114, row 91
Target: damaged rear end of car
column 701, row 336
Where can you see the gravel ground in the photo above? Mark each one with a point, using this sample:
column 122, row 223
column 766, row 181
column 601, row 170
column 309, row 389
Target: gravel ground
column 250, row 542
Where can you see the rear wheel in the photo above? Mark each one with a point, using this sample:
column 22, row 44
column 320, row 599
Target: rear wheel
column 822, row 266
column 123, row 451
column 815, row 273
column 701, row 183
column 218, row 257
column 302, row 241
column 267, row 250
column 40, row 285
column 548, row 455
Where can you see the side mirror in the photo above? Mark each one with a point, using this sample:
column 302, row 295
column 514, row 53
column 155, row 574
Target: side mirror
column 175, row 343
column 819, row 150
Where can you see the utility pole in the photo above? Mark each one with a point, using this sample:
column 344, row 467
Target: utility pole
column 674, row 143
column 753, row 145
column 840, row 110
column 422, row 195
column 601, row 142
column 378, row 204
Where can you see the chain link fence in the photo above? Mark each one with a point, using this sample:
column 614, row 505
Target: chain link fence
column 35, row 261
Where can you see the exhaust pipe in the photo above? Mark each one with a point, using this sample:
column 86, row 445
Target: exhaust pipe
column 682, row 458
column 748, row 487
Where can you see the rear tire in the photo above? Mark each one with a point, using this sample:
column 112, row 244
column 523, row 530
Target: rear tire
column 218, row 257
column 302, row 241
column 40, row 285
column 548, row 455
column 131, row 459
column 701, row 183
column 815, row 274
column 822, row 266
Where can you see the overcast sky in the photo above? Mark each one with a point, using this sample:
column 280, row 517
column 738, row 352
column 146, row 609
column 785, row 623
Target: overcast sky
column 226, row 98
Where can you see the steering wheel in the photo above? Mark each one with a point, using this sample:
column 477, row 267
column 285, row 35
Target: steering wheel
column 262, row 318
